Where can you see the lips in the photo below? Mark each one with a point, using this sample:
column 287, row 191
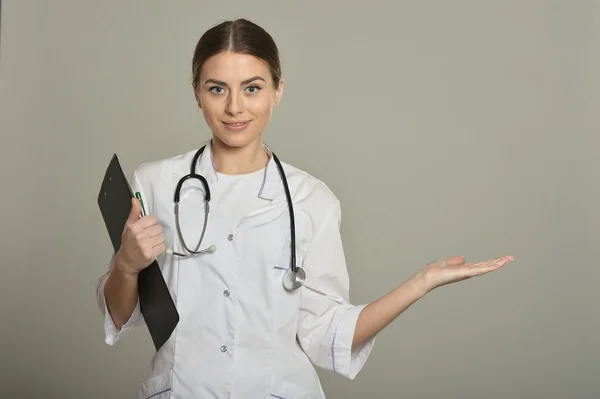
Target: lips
column 236, row 123
column 236, row 126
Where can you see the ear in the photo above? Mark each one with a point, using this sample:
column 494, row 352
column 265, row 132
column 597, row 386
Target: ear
column 279, row 92
column 196, row 96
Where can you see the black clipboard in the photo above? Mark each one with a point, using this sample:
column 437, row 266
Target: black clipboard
column 156, row 303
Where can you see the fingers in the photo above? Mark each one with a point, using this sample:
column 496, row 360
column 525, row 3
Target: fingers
column 500, row 261
column 159, row 249
column 136, row 209
column 150, row 232
column 479, row 269
column 143, row 223
column 143, row 229
column 476, row 269
column 156, row 240
column 150, row 240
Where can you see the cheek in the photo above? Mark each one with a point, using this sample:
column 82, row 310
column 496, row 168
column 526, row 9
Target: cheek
column 261, row 108
column 211, row 110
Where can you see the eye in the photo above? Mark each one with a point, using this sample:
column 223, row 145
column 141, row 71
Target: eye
column 216, row 90
column 253, row 89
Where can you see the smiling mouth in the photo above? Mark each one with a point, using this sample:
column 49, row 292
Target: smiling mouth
column 236, row 124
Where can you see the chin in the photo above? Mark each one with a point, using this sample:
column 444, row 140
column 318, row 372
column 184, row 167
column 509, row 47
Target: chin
column 237, row 140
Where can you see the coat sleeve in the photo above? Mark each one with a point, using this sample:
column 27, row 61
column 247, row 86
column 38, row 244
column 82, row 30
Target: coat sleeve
column 327, row 319
column 111, row 333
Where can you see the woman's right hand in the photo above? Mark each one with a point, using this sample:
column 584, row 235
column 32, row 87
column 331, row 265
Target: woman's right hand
column 141, row 243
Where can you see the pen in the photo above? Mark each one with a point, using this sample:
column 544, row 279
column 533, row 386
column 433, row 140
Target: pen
column 139, row 197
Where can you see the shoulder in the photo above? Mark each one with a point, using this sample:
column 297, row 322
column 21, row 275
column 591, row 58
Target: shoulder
column 157, row 179
column 151, row 173
column 310, row 192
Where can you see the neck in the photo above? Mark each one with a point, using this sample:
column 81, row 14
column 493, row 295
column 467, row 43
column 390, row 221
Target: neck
column 238, row 160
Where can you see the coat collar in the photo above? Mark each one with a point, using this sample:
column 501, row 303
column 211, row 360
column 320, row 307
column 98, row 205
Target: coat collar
column 271, row 187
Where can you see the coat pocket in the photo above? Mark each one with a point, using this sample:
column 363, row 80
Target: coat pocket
column 286, row 390
column 285, row 303
column 157, row 387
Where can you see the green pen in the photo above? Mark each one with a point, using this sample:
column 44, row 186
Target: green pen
column 139, row 197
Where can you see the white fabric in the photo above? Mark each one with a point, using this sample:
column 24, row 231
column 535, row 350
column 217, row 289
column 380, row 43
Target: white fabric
column 234, row 297
column 236, row 194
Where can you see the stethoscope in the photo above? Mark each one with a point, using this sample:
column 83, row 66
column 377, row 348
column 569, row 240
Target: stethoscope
column 293, row 278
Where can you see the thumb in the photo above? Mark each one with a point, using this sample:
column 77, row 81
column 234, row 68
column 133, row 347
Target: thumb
column 455, row 261
column 136, row 209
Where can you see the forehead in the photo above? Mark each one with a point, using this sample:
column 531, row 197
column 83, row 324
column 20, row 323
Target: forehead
column 234, row 67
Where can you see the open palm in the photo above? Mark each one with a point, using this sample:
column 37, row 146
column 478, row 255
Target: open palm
column 455, row 269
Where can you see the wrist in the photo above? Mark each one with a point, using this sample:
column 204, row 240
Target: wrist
column 421, row 284
column 123, row 268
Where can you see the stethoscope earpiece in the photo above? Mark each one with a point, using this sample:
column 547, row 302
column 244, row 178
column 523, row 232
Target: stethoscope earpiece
column 293, row 279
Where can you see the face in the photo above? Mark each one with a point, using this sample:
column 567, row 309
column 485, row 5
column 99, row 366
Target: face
column 237, row 97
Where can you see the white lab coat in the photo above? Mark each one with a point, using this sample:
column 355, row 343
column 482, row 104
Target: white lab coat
column 241, row 334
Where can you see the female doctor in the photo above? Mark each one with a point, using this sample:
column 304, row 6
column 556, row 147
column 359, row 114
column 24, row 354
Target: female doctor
column 254, row 321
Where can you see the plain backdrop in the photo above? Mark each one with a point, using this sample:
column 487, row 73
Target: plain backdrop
column 444, row 128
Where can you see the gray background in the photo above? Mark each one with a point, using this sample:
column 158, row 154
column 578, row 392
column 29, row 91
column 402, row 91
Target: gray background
column 445, row 128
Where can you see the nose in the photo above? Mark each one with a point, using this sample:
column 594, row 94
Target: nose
column 235, row 104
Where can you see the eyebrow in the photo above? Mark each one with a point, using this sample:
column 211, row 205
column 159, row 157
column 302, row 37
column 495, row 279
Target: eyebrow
column 245, row 82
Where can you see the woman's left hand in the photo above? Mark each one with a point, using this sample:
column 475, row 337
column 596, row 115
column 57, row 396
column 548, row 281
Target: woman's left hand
column 452, row 270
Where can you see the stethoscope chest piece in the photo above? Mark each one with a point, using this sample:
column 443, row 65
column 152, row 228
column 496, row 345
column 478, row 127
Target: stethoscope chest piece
column 294, row 280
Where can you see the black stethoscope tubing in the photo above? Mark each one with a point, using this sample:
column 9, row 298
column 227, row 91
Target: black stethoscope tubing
column 295, row 276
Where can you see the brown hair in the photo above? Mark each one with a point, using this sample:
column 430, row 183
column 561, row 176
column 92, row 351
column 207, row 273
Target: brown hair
column 238, row 36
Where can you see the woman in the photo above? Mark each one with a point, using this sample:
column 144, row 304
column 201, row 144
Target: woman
column 241, row 334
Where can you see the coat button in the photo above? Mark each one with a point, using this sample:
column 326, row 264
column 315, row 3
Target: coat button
column 230, row 237
column 224, row 348
column 226, row 293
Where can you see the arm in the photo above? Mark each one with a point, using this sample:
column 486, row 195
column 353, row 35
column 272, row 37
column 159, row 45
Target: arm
column 377, row 315
column 116, row 324
column 142, row 242
column 121, row 293
column 326, row 319
column 117, row 291
column 339, row 336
